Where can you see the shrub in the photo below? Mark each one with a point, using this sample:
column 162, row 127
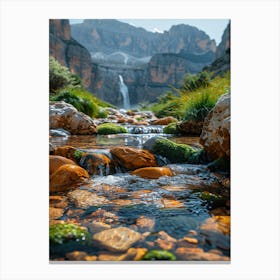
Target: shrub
column 172, row 108
column 110, row 128
column 159, row 255
column 82, row 104
column 199, row 106
column 194, row 82
column 171, row 129
column 60, row 77
column 62, row 233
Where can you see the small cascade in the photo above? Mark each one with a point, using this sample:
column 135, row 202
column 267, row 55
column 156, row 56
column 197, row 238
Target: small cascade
column 124, row 92
column 144, row 129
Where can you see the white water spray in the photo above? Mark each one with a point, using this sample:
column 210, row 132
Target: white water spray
column 125, row 94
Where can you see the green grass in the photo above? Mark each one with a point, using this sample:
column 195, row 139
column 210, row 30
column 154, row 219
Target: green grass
column 110, row 128
column 193, row 100
column 159, row 255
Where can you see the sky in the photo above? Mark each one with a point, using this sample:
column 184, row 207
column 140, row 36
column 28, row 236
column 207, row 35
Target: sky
column 213, row 27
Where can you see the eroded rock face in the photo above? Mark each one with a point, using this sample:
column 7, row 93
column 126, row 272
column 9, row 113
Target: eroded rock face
column 66, row 177
column 132, row 158
column 215, row 136
column 117, row 239
column 190, row 127
column 66, row 116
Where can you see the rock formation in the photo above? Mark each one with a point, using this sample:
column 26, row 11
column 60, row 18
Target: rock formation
column 215, row 136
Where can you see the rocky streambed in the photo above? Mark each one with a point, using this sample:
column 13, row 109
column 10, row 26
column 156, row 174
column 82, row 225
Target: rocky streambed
column 116, row 197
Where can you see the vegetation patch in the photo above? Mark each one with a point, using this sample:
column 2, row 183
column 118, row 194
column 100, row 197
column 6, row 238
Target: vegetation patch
column 171, row 129
column 176, row 153
column 62, row 233
column 110, row 128
column 159, row 255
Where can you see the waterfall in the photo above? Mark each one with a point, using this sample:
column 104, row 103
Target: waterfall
column 125, row 94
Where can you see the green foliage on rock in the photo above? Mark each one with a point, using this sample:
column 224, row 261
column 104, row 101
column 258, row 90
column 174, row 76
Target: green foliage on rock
column 78, row 154
column 110, row 128
column 171, row 129
column 176, row 153
column 62, row 233
column 159, row 255
column 60, row 76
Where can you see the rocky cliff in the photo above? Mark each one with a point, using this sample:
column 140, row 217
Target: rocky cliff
column 109, row 36
column 68, row 51
column 221, row 64
column 149, row 62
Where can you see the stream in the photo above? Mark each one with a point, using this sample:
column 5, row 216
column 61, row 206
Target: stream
column 173, row 205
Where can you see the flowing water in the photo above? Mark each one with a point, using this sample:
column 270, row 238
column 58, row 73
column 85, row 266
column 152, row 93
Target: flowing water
column 174, row 204
column 124, row 92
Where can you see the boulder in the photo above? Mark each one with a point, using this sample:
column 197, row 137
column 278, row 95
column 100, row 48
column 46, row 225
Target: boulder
column 65, row 151
column 66, row 177
column 96, row 164
column 66, row 116
column 132, row 158
column 164, row 121
column 57, row 161
column 215, row 136
column 152, row 172
column 117, row 239
column 190, row 127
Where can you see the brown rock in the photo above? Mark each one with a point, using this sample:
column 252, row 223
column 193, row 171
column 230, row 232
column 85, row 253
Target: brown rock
column 55, row 213
column 84, row 199
column 117, row 239
column 190, row 240
column 135, row 254
column 152, row 172
column 95, row 227
column 121, row 202
column 76, row 256
column 132, row 158
column 197, row 254
column 165, row 245
column 218, row 224
column 190, row 127
column 95, row 164
column 145, row 223
column 66, row 177
column 65, row 151
column 66, row 116
column 171, row 203
column 57, row 161
column 140, row 193
column 58, row 201
column 164, row 121
column 215, row 136
column 165, row 236
column 90, row 258
column 103, row 216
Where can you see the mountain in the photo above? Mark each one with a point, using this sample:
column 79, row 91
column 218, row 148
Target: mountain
column 221, row 64
column 101, row 50
column 109, row 36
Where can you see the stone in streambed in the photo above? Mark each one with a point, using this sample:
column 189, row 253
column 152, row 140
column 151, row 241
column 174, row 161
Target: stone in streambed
column 66, row 177
column 117, row 239
column 84, row 199
column 58, row 201
column 65, row 151
column 57, row 161
column 95, row 163
column 164, row 121
column 66, row 116
column 152, row 172
column 145, row 223
column 55, row 213
column 132, row 254
column 132, row 158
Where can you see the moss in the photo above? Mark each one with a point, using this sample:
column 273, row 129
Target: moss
column 78, row 154
column 171, row 129
column 176, row 153
column 159, row 255
column 62, row 233
column 220, row 164
column 110, row 128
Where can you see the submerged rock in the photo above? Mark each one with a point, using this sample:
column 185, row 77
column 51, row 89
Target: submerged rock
column 66, row 116
column 152, row 172
column 132, row 158
column 215, row 136
column 66, row 177
column 84, row 199
column 117, row 239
